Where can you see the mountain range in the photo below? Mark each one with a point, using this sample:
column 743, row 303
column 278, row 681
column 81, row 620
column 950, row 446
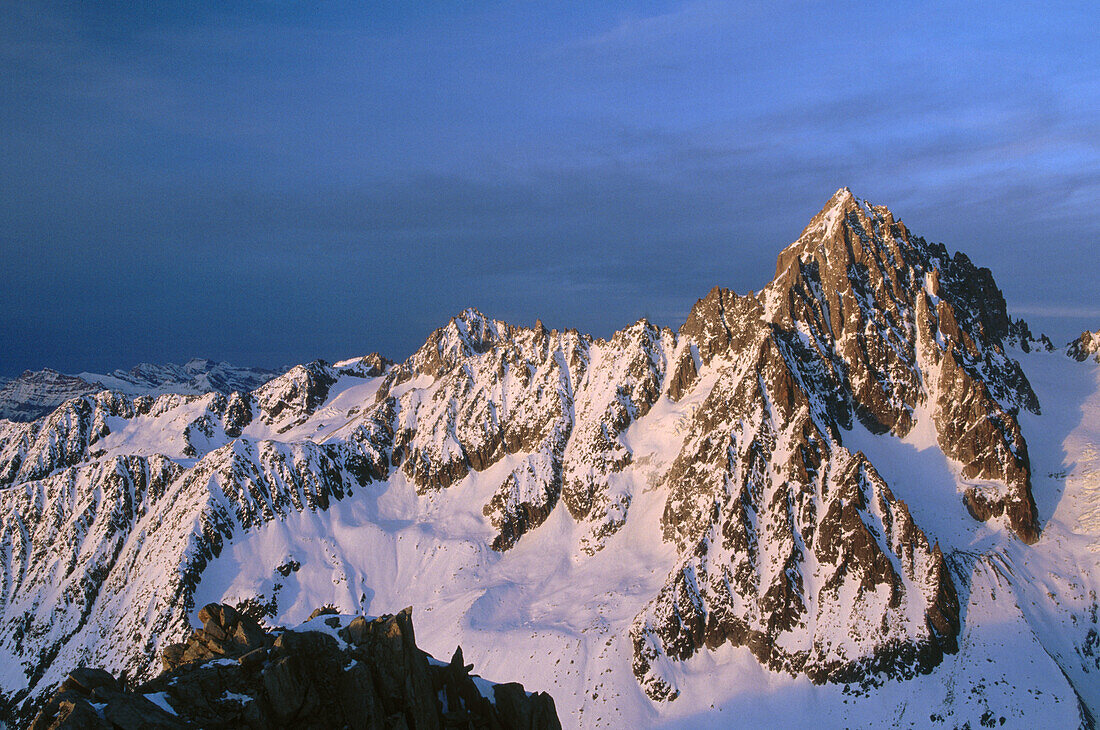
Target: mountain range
column 36, row 393
column 863, row 495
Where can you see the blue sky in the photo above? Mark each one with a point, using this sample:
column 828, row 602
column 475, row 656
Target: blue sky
column 272, row 182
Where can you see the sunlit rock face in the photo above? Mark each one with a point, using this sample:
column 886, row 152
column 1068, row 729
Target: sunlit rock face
column 1085, row 346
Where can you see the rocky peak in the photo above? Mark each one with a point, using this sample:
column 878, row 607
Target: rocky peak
column 1085, row 346
column 199, row 365
column 367, row 366
column 290, row 398
column 863, row 321
column 845, row 212
column 850, row 236
column 909, row 327
column 718, row 322
column 466, row 335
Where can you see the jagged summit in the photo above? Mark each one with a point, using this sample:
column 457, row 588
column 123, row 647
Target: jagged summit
column 835, row 211
column 896, row 326
column 1088, row 344
column 731, row 474
column 855, row 230
column 916, row 329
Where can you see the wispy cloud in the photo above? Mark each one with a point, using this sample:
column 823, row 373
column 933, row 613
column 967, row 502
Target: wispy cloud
column 655, row 32
column 1055, row 311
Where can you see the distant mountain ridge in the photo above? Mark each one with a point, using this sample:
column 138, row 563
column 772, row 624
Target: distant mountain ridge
column 36, row 393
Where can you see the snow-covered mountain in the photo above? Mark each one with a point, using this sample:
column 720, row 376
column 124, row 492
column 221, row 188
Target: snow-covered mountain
column 37, row 393
column 196, row 376
column 863, row 495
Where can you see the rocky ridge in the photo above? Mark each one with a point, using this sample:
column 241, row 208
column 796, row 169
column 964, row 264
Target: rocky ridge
column 332, row 672
column 788, row 543
column 1085, row 346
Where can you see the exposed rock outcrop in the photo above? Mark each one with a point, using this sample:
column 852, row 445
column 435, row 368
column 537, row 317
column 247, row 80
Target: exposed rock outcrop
column 332, row 672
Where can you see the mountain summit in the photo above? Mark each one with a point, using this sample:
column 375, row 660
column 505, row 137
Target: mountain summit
column 819, row 478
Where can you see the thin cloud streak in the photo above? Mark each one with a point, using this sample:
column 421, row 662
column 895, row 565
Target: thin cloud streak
column 1057, row 312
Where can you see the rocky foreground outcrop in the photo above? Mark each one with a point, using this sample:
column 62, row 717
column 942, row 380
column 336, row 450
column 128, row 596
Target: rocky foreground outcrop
column 332, row 672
